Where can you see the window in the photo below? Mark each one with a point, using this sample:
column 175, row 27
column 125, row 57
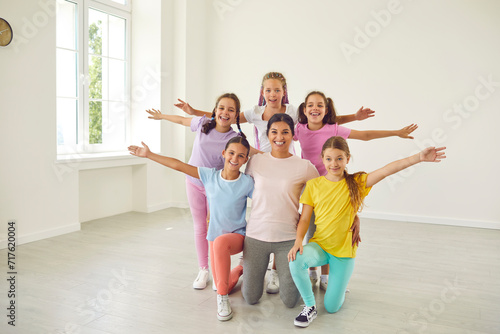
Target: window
column 93, row 70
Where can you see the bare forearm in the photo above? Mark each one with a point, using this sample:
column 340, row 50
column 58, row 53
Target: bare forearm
column 345, row 119
column 174, row 118
column 375, row 134
column 174, row 164
column 401, row 164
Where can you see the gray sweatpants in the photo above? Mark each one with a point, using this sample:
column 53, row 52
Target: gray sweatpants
column 255, row 260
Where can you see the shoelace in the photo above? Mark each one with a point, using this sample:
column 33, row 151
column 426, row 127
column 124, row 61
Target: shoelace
column 306, row 311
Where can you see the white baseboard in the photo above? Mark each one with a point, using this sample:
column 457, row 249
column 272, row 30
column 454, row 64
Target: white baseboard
column 166, row 205
column 30, row 237
column 431, row 220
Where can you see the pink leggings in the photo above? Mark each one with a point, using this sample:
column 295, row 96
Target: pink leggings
column 221, row 250
column 199, row 210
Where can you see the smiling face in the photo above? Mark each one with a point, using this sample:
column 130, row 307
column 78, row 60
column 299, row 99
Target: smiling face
column 225, row 113
column 280, row 136
column 235, row 156
column 335, row 162
column 315, row 109
column 273, row 92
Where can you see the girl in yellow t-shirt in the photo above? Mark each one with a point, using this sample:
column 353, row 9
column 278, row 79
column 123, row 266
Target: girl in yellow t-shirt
column 335, row 199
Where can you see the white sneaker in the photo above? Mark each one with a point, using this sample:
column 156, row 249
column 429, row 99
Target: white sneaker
column 305, row 317
column 224, row 311
column 323, row 285
column 201, row 280
column 273, row 286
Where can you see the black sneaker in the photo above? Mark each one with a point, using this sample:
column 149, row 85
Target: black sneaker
column 305, row 317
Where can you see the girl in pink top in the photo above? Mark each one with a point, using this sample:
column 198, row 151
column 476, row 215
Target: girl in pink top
column 318, row 122
column 212, row 135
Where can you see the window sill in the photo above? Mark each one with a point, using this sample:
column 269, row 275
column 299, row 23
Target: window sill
column 99, row 160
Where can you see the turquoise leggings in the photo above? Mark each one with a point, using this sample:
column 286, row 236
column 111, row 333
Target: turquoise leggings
column 341, row 269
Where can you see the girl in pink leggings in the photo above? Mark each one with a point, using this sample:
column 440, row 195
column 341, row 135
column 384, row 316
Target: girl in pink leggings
column 211, row 136
column 227, row 191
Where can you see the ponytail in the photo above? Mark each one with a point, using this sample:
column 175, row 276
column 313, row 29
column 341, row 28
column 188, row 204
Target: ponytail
column 357, row 201
column 330, row 112
column 302, row 115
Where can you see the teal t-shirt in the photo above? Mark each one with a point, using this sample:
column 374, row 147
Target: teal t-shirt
column 227, row 200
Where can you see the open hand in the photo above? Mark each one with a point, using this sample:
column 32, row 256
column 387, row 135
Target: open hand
column 432, row 154
column 141, row 152
column 364, row 113
column 405, row 132
column 293, row 252
column 185, row 107
column 155, row 114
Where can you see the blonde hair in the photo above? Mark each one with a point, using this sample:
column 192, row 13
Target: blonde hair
column 277, row 76
column 357, row 200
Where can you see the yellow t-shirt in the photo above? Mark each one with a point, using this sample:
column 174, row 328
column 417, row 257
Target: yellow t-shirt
column 334, row 215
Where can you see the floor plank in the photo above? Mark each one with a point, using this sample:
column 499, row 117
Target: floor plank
column 133, row 273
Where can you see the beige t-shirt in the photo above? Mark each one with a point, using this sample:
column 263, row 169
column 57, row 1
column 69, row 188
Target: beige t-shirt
column 275, row 202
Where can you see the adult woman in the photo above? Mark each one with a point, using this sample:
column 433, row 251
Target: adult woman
column 279, row 179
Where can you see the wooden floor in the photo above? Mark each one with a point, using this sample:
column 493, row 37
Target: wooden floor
column 133, row 273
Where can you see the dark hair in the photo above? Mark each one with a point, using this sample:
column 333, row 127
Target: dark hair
column 330, row 114
column 239, row 140
column 213, row 122
column 277, row 76
column 354, row 188
column 280, row 117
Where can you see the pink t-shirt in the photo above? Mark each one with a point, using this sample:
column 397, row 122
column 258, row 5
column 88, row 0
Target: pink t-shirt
column 311, row 142
column 275, row 202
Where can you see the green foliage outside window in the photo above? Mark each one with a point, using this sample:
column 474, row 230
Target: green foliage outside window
column 95, row 86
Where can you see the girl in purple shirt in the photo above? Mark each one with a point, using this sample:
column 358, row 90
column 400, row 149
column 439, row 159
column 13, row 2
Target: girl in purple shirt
column 212, row 134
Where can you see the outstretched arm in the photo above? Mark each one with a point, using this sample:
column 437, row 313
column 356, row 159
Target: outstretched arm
column 430, row 154
column 144, row 152
column 156, row 114
column 302, row 228
column 184, row 106
column 375, row 134
column 361, row 114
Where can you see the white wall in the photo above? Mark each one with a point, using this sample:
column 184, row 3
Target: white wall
column 418, row 63
column 428, row 58
column 34, row 191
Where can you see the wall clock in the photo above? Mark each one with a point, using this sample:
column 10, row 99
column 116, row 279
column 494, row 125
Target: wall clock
column 5, row 33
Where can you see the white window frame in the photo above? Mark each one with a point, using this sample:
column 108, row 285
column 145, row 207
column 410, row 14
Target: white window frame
column 82, row 34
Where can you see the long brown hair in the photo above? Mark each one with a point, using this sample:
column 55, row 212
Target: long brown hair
column 210, row 125
column 330, row 114
column 354, row 187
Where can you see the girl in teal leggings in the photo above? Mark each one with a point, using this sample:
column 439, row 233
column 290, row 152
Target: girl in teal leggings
column 335, row 199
